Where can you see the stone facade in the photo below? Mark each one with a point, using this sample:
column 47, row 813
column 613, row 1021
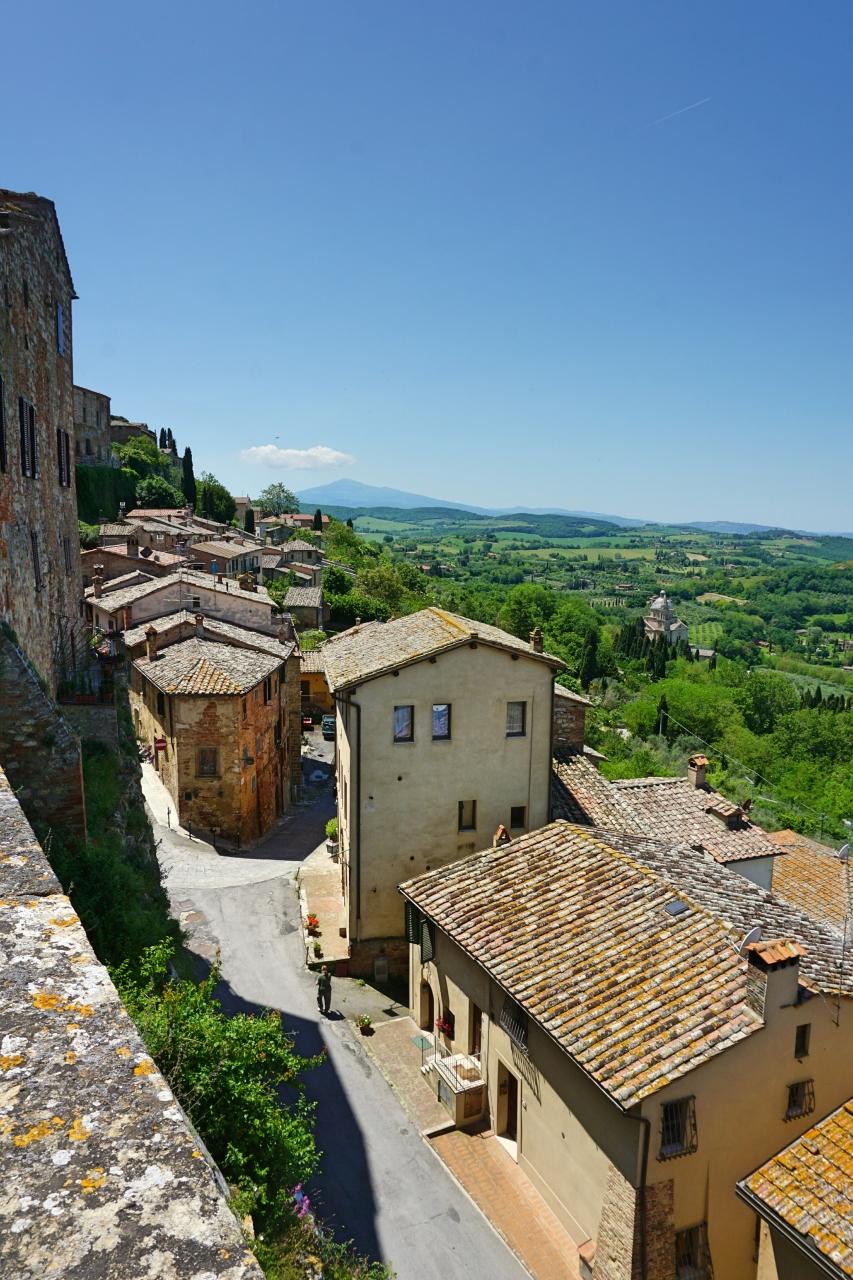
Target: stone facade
column 38, row 748
column 569, row 719
column 121, row 431
column 40, row 583
column 91, row 428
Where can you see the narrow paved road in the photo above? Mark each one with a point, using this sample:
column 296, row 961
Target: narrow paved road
column 380, row 1184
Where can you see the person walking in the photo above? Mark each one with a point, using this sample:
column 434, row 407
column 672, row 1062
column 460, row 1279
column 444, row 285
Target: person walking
column 324, row 990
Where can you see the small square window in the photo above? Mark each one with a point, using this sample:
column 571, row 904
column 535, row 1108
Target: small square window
column 404, row 724
column 440, row 721
column 801, row 1040
column 678, row 1135
column 516, row 719
column 800, row 1099
column 467, row 815
column 518, row 816
column 207, row 763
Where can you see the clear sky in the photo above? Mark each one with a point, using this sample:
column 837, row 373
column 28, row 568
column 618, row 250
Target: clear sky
column 585, row 255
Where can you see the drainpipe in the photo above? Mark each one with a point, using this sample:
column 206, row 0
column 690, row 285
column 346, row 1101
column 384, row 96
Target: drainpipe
column 644, row 1168
column 348, row 702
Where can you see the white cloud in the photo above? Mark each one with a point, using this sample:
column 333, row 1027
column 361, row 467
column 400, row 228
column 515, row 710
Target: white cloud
column 313, row 459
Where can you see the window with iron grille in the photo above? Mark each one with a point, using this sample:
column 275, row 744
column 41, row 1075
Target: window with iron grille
column 692, row 1255
column 516, row 719
column 4, row 456
column 800, row 1099
column 34, row 547
column 207, row 762
column 513, row 1020
column 678, row 1136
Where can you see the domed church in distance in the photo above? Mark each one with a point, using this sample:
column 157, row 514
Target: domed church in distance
column 662, row 621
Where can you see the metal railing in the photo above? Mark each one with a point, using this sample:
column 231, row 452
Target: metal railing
column 460, row 1070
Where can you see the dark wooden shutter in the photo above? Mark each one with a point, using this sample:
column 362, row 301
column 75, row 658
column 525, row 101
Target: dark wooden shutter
column 25, row 436
column 66, row 440
column 34, row 459
column 4, row 457
column 412, row 923
column 60, row 457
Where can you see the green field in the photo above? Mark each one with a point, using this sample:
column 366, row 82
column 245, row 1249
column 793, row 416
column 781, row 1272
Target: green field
column 705, row 634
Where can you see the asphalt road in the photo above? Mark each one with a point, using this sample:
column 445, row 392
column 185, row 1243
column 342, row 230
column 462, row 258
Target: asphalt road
column 380, row 1184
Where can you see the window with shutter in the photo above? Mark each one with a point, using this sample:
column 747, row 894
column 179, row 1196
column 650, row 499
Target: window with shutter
column 413, row 922
column 25, row 436
column 66, row 438
column 60, row 329
column 427, row 941
column 34, row 457
column 60, row 457
column 4, row 457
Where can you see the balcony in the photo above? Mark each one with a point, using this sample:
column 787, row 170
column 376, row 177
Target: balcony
column 455, row 1078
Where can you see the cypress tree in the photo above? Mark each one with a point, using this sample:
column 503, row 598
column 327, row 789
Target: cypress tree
column 162, row 440
column 249, row 521
column 318, row 521
column 188, row 477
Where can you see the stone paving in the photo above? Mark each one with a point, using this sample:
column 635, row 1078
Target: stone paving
column 320, row 892
column 477, row 1160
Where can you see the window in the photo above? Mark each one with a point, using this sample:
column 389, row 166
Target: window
column 467, row 815
column 475, row 1028
column 692, row 1255
column 66, row 553
column 196, row 602
column 800, row 1099
column 513, row 1020
column 678, row 1135
column 267, row 689
column 4, row 457
column 161, row 704
column 207, row 762
column 60, row 329
column 244, row 709
column 801, row 1040
column 88, row 447
column 518, row 816
column 34, row 547
column 440, row 721
column 63, row 457
column 214, row 566
column 516, row 719
column 27, row 420
column 404, row 724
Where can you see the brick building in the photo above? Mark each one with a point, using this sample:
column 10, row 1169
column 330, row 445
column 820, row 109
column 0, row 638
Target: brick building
column 40, row 583
column 91, row 428
column 216, row 717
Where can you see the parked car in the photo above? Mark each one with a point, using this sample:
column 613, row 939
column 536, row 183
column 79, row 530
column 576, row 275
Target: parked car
column 328, row 727
column 307, row 724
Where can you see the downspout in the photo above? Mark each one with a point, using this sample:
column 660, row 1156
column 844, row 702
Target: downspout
column 348, row 702
column 644, row 1168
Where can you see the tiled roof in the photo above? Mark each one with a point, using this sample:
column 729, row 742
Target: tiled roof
column 227, row 550
column 144, row 512
column 212, row 627
column 120, row 549
column 673, row 809
column 114, row 600
column 561, row 691
column 733, row 898
column 811, row 876
column 372, row 648
column 313, row 662
column 807, row 1187
column 304, row 598
column 582, row 794
column 206, row 667
column 637, row 996
column 269, row 559
column 298, row 544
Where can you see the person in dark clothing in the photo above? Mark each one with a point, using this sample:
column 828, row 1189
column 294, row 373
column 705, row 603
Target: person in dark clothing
column 324, row 990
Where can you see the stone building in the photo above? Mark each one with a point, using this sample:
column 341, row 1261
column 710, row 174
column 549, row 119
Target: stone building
column 92, row 442
column 661, row 621
column 640, row 1027
column 215, row 716
column 117, row 605
column 40, row 583
column 307, row 606
column 231, row 557
column 121, row 431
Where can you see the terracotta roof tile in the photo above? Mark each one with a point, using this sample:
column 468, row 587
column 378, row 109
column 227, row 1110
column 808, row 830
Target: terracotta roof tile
column 811, row 876
column 807, row 1186
column 206, row 667
column 373, row 648
column 304, row 598
column 214, row 629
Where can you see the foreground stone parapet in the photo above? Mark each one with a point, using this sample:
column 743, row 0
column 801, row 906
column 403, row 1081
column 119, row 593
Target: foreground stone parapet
column 100, row 1174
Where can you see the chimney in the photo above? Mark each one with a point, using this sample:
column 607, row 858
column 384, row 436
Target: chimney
column 98, row 581
column 286, row 630
column 133, row 546
column 199, row 625
column 696, row 767
column 536, row 639
column 243, row 582
column 121, row 511
column 358, row 622
column 773, row 974
column 150, row 643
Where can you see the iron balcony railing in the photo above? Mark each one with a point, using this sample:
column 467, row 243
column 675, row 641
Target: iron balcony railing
column 460, row 1070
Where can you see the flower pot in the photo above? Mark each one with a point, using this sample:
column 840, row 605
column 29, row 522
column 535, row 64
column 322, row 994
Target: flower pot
column 332, row 849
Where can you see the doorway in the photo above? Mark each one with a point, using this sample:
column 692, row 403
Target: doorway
column 427, row 1008
column 506, row 1127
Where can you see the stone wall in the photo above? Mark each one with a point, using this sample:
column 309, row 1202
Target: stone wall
column 40, row 583
column 92, row 723
column 91, row 427
column 38, row 748
column 102, row 1174
column 614, row 1248
column 363, row 955
column 569, row 719
column 635, row 1226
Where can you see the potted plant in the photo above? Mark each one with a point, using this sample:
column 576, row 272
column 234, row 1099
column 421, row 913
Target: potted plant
column 332, row 837
column 313, row 923
column 318, row 949
column 364, row 1022
column 445, row 1025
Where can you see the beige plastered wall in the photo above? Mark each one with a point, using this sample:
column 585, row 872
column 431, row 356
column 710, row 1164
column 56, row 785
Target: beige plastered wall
column 410, row 792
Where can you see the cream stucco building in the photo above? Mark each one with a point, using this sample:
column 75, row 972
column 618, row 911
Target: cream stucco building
column 443, row 735
column 640, row 1025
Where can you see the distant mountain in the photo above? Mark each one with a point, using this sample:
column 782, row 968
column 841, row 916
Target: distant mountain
column 352, row 493
column 727, row 526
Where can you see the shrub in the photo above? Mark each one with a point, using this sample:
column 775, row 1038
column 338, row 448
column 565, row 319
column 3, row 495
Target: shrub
column 332, row 829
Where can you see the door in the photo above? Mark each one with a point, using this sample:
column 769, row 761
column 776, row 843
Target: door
column 511, row 1130
column 427, row 1009
column 475, row 1038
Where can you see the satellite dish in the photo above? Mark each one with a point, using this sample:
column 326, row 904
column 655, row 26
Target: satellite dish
column 753, row 936
column 844, row 852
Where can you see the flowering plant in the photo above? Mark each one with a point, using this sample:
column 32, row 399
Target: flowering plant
column 444, row 1025
column 313, row 922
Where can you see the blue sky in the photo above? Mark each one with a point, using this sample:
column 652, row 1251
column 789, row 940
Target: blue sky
column 463, row 244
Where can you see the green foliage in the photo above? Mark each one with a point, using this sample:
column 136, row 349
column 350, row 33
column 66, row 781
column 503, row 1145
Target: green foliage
column 284, row 1258
column 89, row 535
column 154, row 491
column 101, row 489
column 188, row 485
column 213, row 500
column 277, row 500
column 141, row 455
column 226, row 1073
column 332, row 829
column 309, row 640
column 249, row 520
